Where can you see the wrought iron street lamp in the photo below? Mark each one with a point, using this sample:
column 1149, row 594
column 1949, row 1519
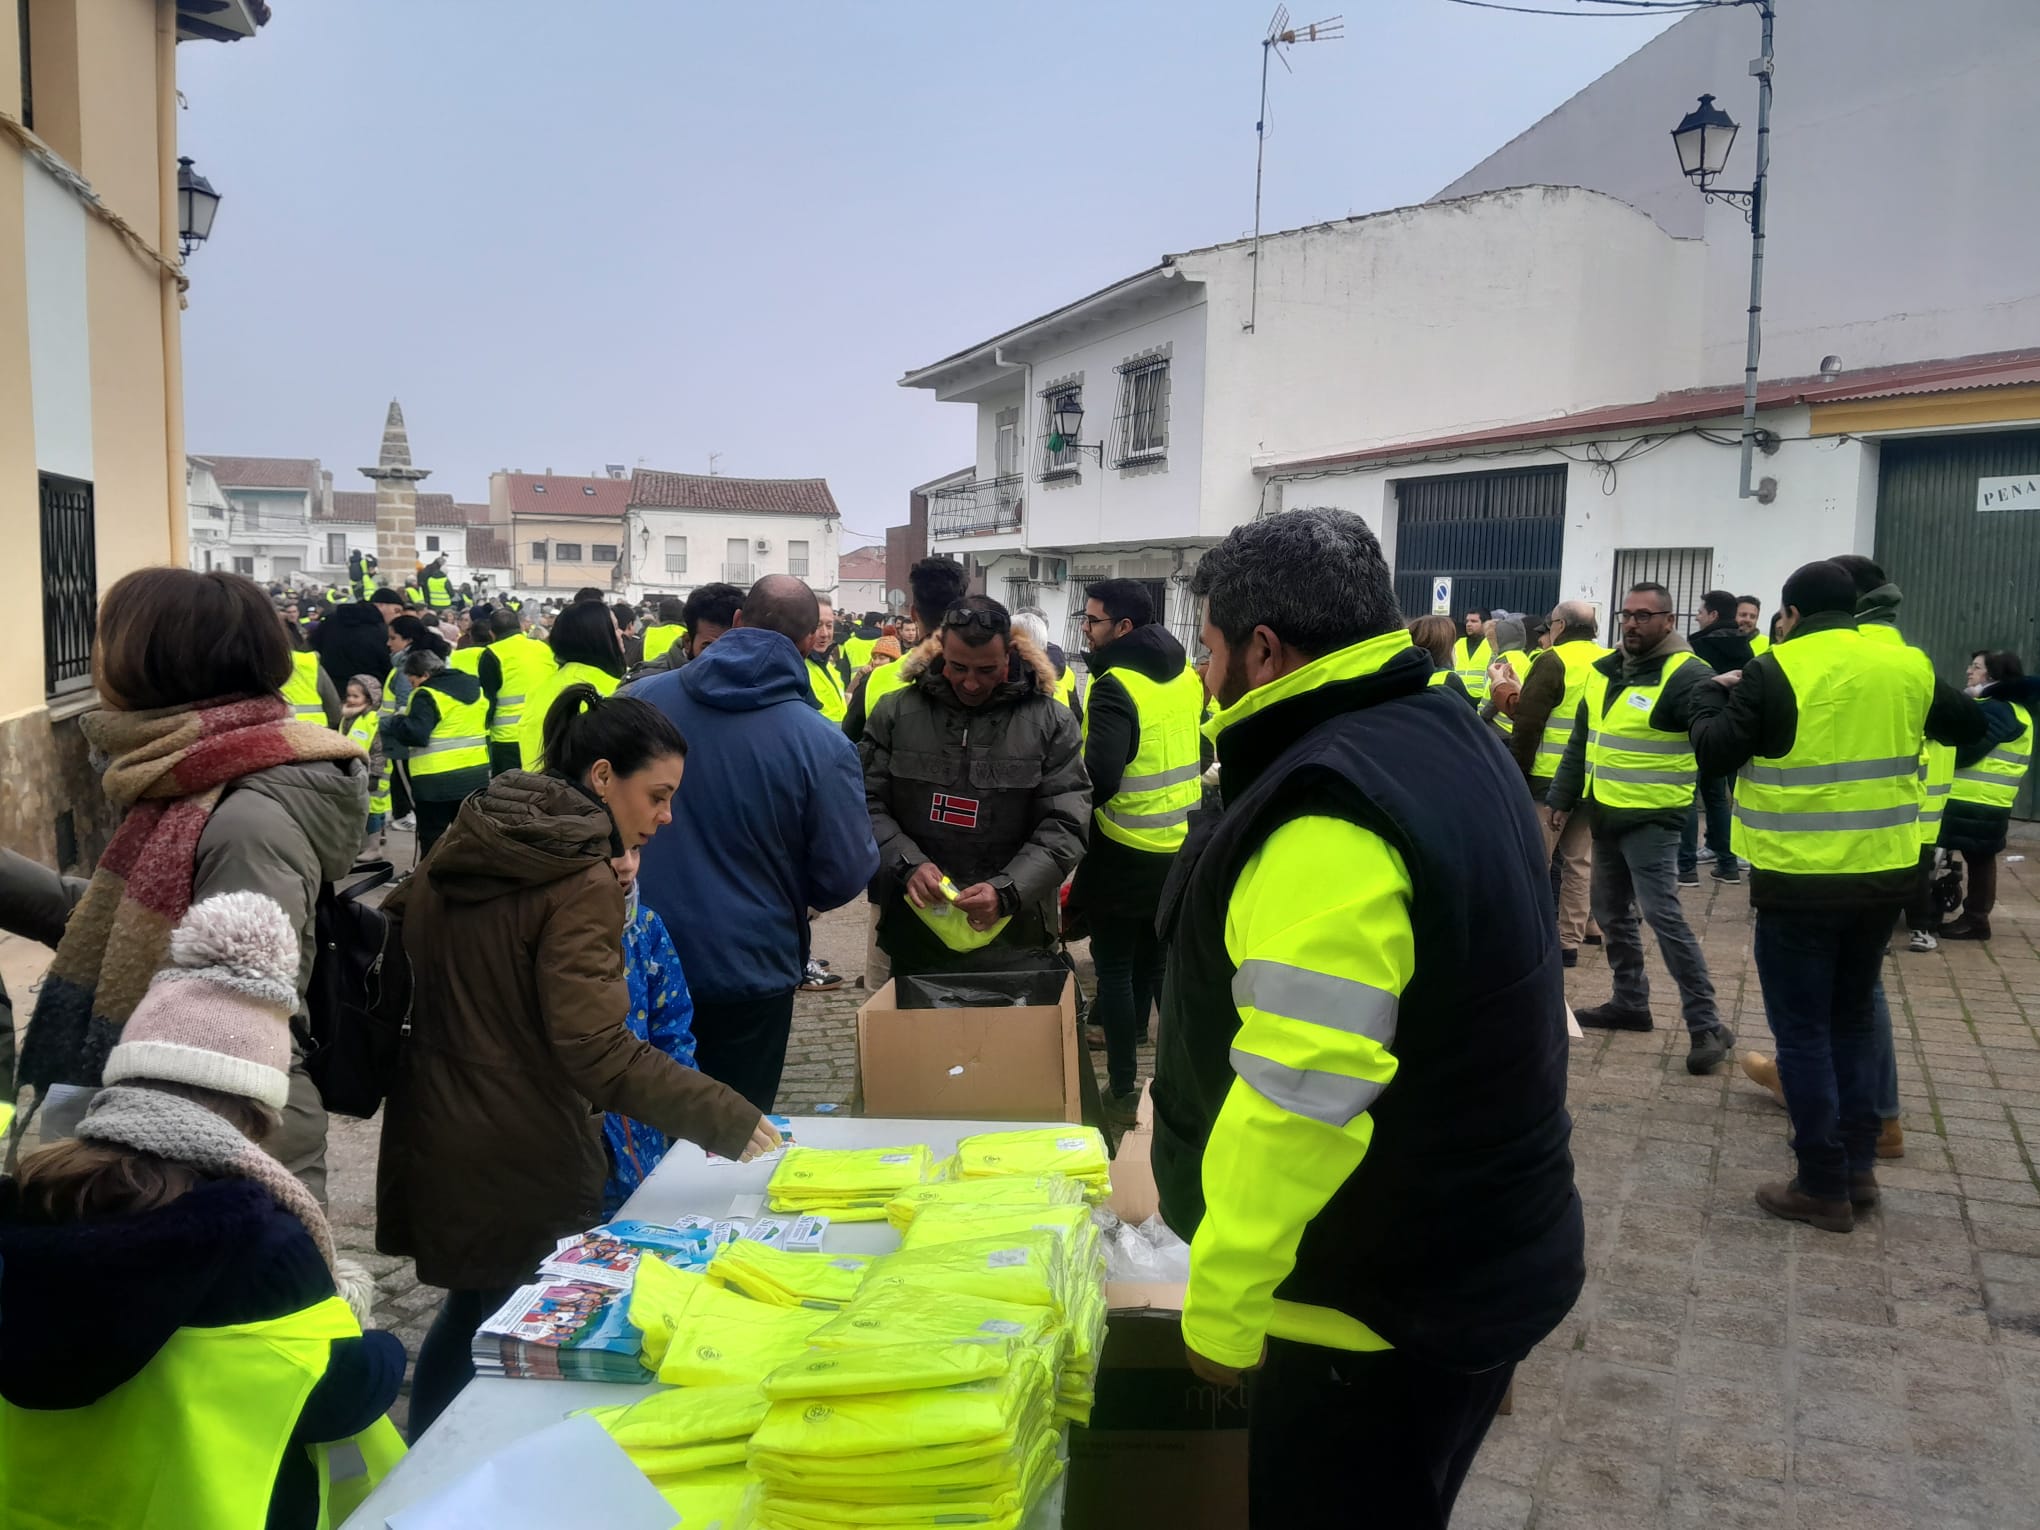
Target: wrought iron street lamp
column 1703, row 138
column 1066, row 415
column 197, row 202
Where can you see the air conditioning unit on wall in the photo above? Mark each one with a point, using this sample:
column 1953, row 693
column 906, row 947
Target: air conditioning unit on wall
column 763, row 544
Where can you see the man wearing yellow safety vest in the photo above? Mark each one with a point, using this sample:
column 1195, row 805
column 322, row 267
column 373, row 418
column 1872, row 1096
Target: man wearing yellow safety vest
column 174, row 1353
column 861, row 640
column 1143, row 752
column 445, row 724
column 310, row 691
column 1471, row 656
column 438, row 588
column 1550, row 700
column 824, row 678
column 1631, row 765
column 666, row 631
column 1749, row 616
column 512, row 667
column 1988, row 775
column 1360, row 1118
column 1718, row 642
column 1823, row 733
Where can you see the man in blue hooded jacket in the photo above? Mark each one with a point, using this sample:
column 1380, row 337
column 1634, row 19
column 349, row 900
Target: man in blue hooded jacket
column 769, row 823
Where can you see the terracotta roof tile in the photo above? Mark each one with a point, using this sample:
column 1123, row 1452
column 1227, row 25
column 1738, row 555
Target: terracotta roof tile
column 486, row 548
column 862, row 563
column 751, row 496
column 356, row 507
column 556, row 494
column 263, row 472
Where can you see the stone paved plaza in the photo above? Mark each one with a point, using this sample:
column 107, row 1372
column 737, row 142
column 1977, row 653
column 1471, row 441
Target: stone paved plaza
column 1721, row 1368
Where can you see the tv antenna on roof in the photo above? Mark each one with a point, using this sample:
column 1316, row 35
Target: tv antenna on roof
column 1281, row 36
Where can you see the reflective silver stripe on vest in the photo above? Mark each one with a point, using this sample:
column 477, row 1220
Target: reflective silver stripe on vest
column 1137, row 820
column 1811, row 823
column 1160, row 779
column 1939, row 788
column 441, row 746
column 1894, row 769
column 1645, row 777
column 1332, row 1098
column 1987, row 777
column 1297, row 993
column 1546, row 746
column 1622, row 743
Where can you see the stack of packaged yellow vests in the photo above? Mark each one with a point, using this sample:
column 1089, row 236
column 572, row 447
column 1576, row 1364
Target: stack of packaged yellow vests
column 926, row 1387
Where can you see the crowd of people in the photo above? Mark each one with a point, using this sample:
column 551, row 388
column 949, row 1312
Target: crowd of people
column 628, row 817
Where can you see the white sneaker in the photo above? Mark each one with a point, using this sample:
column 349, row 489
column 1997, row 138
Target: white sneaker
column 1923, row 940
column 408, row 823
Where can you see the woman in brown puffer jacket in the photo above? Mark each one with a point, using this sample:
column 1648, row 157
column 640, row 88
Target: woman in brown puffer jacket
column 492, row 1134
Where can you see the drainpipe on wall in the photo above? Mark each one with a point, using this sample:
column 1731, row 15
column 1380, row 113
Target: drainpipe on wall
column 167, row 233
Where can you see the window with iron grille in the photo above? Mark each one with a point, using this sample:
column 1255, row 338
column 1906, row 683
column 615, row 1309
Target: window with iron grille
column 676, row 555
column 1022, row 592
column 1688, row 572
column 1058, row 464
column 1140, row 429
column 566, row 552
column 70, row 576
column 538, row 552
column 797, row 559
column 336, row 547
column 432, row 544
column 602, row 552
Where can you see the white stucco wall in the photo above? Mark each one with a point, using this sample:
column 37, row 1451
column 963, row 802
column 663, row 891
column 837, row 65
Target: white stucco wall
column 1682, row 494
column 59, row 326
column 1436, row 319
column 708, row 534
column 1902, row 216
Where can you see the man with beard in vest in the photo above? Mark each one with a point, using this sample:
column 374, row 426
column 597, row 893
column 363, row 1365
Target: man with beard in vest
column 1360, row 1118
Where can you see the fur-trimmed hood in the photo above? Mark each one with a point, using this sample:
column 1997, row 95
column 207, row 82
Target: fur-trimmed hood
column 1028, row 669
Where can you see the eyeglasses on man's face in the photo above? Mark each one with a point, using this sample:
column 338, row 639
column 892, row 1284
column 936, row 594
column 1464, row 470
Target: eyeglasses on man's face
column 1641, row 616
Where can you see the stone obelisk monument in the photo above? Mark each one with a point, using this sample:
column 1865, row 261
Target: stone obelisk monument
column 396, row 500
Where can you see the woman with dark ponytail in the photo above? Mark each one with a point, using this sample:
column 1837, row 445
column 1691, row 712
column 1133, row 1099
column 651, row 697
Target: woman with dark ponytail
column 492, row 1144
column 589, row 653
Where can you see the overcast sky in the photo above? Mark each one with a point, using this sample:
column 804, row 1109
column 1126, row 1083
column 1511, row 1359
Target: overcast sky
column 641, row 231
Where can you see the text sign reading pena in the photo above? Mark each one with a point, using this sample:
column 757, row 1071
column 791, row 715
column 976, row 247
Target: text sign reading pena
column 1441, row 597
column 2021, row 493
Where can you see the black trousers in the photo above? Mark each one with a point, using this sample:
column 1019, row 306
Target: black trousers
column 1318, row 1414
column 434, row 819
column 742, row 1043
column 504, row 757
column 1129, row 958
column 400, row 790
column 445, row 1357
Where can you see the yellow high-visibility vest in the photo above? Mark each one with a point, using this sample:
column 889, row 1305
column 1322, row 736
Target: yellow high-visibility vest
column 1066, row 685
column 526, row 662
column 1994, row 780
column 1470, row 657
column 1759, row 644
column 1937, row 761
column 301, row 690
column 858, row 650
column 538, row 701
column 194, row 1438
column 881, row 683
column 1630, row 764
column 438, row 592
column 1847, row 797
column 661, row 637
column 827, row 687
column 467, row 660
column 460, row 739
column 363, row 731
column 1151, row 809
column 1579, row 656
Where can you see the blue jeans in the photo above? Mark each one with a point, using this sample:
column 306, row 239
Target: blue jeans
column 1129, row 957
column 1887, row 1056
column 1713, row 796
column 1819, row 972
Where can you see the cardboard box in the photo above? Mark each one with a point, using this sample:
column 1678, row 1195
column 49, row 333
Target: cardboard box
column 1011, row 1063
column 1164, row 1446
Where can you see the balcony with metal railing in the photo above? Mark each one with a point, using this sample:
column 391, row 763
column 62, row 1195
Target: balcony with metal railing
column 741, row 575
column 982, row 507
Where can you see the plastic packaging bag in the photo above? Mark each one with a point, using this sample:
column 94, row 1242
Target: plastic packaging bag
column 1147, row 1252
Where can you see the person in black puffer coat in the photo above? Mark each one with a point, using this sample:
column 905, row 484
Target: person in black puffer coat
column 354, row 640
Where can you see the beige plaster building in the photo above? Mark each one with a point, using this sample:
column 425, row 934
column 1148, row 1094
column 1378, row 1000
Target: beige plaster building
column 92, row 465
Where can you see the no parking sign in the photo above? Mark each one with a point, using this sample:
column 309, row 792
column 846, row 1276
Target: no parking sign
column 1441, row 595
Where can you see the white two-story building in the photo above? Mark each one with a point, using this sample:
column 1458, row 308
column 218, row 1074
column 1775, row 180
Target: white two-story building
column 1531, row 386
column 687, row 529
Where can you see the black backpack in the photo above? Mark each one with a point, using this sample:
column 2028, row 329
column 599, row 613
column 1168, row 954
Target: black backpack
column 359, row 1001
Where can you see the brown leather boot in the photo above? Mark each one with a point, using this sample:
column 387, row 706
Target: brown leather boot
column 1785, row 1199
column 1891, row 1139
column 1759, row 1069
column 1863, row 1192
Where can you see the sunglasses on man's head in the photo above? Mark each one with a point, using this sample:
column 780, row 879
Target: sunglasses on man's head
column 969, row 616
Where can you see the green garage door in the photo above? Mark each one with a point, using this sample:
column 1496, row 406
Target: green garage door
column 1971, row 577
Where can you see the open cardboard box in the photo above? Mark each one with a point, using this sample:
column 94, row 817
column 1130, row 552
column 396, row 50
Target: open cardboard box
column 1164, row 1447
column 1019, row 1062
